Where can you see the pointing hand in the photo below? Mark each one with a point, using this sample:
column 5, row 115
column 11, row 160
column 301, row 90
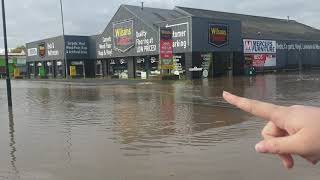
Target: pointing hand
column 293, row 130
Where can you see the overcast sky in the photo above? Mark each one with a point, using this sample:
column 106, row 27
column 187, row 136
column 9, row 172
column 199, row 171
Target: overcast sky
column 29, row 20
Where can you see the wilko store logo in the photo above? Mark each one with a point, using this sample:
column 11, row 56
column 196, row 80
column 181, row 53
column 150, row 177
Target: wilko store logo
column 218, row 34
column 123, row 36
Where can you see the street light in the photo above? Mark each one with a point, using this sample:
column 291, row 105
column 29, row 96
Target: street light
column 64, row 42
column 6, row 55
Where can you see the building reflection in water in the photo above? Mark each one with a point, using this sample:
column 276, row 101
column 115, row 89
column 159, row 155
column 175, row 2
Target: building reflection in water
column 12, row 144
column 161, row 116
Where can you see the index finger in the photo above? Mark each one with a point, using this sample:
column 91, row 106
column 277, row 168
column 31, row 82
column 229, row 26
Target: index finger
column 257, row 108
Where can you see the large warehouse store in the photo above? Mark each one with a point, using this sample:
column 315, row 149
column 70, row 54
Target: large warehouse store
column 205, row 44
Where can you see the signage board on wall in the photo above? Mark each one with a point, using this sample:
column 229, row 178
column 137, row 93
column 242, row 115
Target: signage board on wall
column 123, row 35
column 106, row 47
column 145, row 42
column 180, row 35
column 32, row 52
column 218, row 34
column 77, row 47
column 52, row 51
column 262, row 60
column 251, row 46
column 298, row 46
column 166, row 48
column 42, row 50
column 207, row 62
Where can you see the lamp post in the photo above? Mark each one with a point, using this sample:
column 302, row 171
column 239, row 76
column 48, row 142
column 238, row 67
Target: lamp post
column 6, row 55
column 64, row 42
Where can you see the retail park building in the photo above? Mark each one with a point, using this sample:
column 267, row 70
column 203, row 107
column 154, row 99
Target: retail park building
column 205, row 44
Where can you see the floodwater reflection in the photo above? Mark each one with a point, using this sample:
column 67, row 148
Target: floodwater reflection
column 163, row 130
column 12, row 143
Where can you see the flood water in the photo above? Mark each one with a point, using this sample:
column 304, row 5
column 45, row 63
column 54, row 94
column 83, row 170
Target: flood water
column 162, row 130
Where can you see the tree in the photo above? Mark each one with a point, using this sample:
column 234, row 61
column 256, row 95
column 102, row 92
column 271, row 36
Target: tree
column 19, row 49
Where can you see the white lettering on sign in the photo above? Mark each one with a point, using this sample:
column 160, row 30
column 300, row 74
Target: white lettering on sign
column 105, row 48
column 32, row 52
column 180, row 35
column 259, row 46
column 50, row 45
column 76, row 47
column 144, row 43
column 53, row 53
column 297, row 46
column 51, row 49
column 179, row 44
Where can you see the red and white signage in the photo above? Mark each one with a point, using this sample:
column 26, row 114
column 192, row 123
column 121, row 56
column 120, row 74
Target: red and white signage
column 166, row 49
column 263, row 60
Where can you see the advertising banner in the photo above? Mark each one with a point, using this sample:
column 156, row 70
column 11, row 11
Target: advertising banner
column 262, row 60
column 206, row 65
column 42, row 50
column 123, row 35
column 166, row 48
column 32, row 52
column 259, row 46
column 218, row 34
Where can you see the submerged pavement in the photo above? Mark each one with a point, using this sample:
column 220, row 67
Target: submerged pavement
column 133, row 129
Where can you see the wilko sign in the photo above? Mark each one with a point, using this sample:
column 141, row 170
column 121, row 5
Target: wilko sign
column 166, row 48
column 123, row 35
column 218, row 34
column 259, row 46
column 32, row 52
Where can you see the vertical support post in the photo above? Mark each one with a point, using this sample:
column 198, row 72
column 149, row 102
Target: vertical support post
column 6, row 54
column 64, row 42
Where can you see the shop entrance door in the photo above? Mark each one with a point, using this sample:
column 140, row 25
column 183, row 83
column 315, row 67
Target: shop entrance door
column 59, row 69
column 223, row 64
column 49, row 69
column 98, row 68
column 31, row 70
column 79, row 68
column 118, row 68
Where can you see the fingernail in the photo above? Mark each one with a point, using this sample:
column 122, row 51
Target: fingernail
column 225, row 93
column 260, row 148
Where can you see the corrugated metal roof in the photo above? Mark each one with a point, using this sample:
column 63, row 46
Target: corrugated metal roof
column 261, row 27
column 153, row 15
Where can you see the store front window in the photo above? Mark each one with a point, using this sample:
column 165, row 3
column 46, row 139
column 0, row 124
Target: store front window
column 40, row 70
column 78, row 68
column 207, row 65
column 99, row 71
column 141, row 67
column 154, row 66
column 118, row 68
column 49, row 69
column 179, row 65
column 31, row 69
column 59, row 69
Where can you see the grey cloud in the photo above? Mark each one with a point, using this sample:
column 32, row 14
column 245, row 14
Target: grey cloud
column 30, row 20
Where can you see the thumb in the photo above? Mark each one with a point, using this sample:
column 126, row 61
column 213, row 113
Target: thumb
column 279, row 145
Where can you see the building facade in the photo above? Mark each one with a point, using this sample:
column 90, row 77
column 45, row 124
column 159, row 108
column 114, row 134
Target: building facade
column 17, row 63
column 205, row 44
